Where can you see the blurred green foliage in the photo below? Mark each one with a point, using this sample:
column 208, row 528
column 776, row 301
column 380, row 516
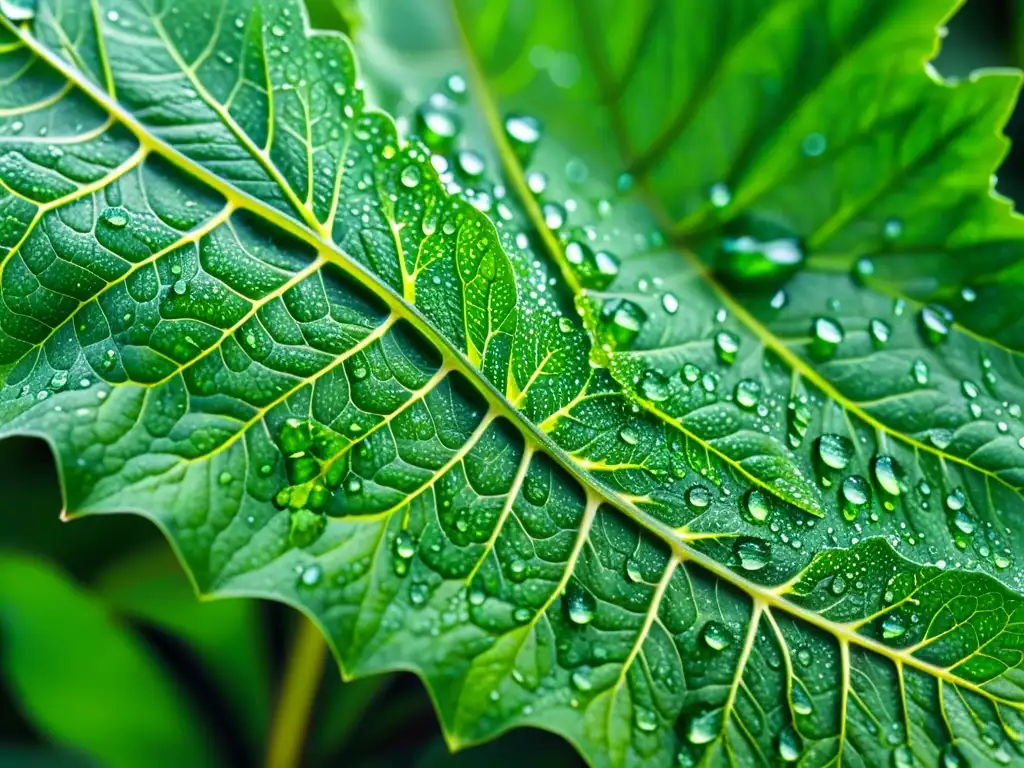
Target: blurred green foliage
column 107, row 658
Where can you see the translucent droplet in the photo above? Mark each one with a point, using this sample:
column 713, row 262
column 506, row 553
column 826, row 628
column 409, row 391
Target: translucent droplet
column 950, row 757
column 524, row 134
column 789, row 745
column 715, row 636
column 646, row 720
column 719, row 195
column 698, row 497
column 621, row 322
column 753, row 554
column 814, row 144
column 886, row 473
column 554, row 215
column 581, row 679
column 835, row 451
column 580, row 604
column 117, row 218
column 935, row 323
column 748, row 394
column 903, row 757
column 470, row 163
column 747, row 258
column 802, row 702
column 704, row 728
column 410, row 176
column 670, row 303
column 893, row 627
column 856, row 495
column 456, row 85
column 311, row 575
column 827, row 335
column 438, row 127
column 628, row 435
column 405, row 545
column 654, row 386
column 892, row 229
column 757, row 506
column 920, row 372
column 880, row 333
column 727, row 344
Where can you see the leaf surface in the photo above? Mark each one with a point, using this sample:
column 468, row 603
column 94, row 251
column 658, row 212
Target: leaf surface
column 236, row 302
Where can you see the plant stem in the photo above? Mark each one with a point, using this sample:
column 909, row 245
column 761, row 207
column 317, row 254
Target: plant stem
column 295, row 700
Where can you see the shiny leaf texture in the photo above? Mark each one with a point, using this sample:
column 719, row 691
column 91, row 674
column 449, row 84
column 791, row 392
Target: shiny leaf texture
column 237, row 302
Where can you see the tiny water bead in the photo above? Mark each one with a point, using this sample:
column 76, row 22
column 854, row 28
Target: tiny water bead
column 826, row 336
column 594, row 270
column 893, row 627
column 752, row 554
column 654, row 386
column 523, row 132
column 646, row 720
column 715, row 636
column 727, row 345
column 935, row 323
column 720, row 195
column 856, row 495
column 581, row 605
column 814, row 144
column 670, row 303
column 880, row 333
column 920, row 372
column 410, row 176
column 756, row 505
column 310, row 575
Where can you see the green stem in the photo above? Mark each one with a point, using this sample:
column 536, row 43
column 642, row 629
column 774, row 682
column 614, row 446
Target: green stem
column 295, row 701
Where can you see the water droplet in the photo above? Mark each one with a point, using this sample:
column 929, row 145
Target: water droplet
column 470, row 163
column 554, row 215
column 715, row 636
column 856, row 494
column 789, row 745
column 893, row 627
column 880, row 333
column 58, row 380
column 757, row 506
column 225, row 478
column 405, row 545
column 117, row 218
column 750, row 259
column 628, row 435
column 814, row 144
column 670, row 303
column 580, row 604
column 779, row 299
column 903, row 757
column 581, row 679
column 827, row 336
column 920, row 372
column 698, row 497
column 753, row 554
column 705, row 727
column 456, row 85
column 621, row 322
column 940, row 438
column 802, row 702
column 835, row 451
column 410, row 176
column 595, row 270
column 646, row 720
column 719, row 195
column 654, row 386
column 524, row 134
column 951, row 757
column 935, row 323
column 311, row 575
column 437, row 127
column 748, row 394
column 633, row 571
column 892, row 229
column 727, row 344
column 887, row 475
column 963, row 522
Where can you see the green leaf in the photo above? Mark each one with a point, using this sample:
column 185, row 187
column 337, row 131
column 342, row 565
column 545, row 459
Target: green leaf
column 86, row 681
column 238, row 303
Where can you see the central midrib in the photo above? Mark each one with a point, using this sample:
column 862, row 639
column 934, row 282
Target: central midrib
column 497, row 400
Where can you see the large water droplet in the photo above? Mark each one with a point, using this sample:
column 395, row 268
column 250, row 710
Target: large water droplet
column 935, row 323
column 116, row 218
column 827, row 335
column 646, row 720
column 887, row 475
column 750, row 259
column 789, row 745
column 698, row 497
column 410, row 176
column 880, row 333
column 654, row 386
column 705, row 727
column 802, row 702
column 727, row 344
column 893, row 627
column 757, row 505
column 835, row 451
column 580, row 604
column 523, row 132
column 748, row 394
column 856, row 495
column 753, row 554
column 438, row 127
column 715, row 636
column 621, row 322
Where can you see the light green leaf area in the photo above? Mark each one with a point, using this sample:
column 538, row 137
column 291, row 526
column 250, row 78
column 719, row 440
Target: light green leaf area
column 236, row 302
